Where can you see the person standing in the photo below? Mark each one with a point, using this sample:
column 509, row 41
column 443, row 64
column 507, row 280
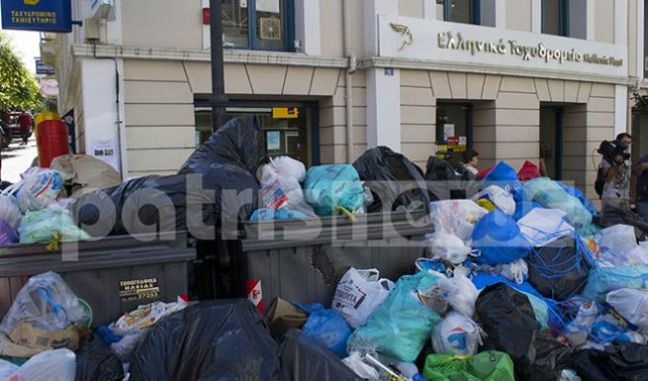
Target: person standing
column 25, row 122
column 470, row 161
column 616, row 190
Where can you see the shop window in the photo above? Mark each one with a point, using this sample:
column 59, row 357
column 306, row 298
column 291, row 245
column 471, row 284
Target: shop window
column 566, row 18
column 460, row 11
column 258, row 24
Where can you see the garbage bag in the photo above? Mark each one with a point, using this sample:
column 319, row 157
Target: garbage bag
column 602, row 280
column 543, row 226
column 559, row 271
column 329, row 187
column 145, row 316
column 57, row 364
column 7, row 369
column 9, row 211
column 8, row 235
column 578, row 330
column 509, row 322
column 237, row 143
column 529, row 171
column 445, row 179
column 457, row 334
column 286, row 166
column 39, row 190
column 460, row 292
column 360, row 368
column 84, row 173
column 620, row 362
column 50, row 225
column 401, row 326
column 549, row 194
column 517, row 271
column 504, row 176
column 282, row 316
column 619, row 240
column 587, row 203
column 498, row 238
column 522, row 208
column 397, row 183
column 96, row 362
column 611, row 216
column 304, row 358
column 631, row 304
column 608, row 329
column 457, row 217
column 224, row 339
column 502, row 199
column 283, row 190
column 485, row 366
column 328, row 327
column 447, row 247
column 359, row 293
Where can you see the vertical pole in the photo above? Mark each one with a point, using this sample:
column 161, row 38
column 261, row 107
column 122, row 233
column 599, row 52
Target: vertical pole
column 218, row 98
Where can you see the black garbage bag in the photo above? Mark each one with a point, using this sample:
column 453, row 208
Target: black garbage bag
column 558, row 270
column 510, row 325
column 304, row 358
column 611, row 216
column 213, row 340
column 448, row 180
column 620, row 362
column 96, row 362
column 238, row 142
column 394, row 180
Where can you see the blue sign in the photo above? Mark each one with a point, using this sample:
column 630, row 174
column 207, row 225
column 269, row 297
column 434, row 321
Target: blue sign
column 39, row 15
column 43, row 69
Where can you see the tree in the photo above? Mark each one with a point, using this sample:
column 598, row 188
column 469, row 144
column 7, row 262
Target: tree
column 18, row 88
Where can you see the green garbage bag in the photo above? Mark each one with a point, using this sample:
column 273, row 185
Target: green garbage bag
column 484, row 366
column 49, row 226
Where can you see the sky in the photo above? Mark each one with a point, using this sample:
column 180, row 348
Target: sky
column 27, row 45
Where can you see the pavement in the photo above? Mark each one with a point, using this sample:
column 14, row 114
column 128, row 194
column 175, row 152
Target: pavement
column 17, row 158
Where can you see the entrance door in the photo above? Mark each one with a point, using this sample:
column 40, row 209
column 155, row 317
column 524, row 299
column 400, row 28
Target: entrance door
column 551, row 140
column 454, row 129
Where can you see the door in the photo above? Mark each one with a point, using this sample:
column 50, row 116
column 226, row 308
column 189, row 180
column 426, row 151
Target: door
column 454, row 129
column 551, row 140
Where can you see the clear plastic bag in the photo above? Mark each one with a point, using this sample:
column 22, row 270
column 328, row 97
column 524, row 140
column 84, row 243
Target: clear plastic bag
column 51, row 224
column 444, row 246
column 632, row 305
column 460, row 292
column 619, row 240
column 46, row 303
column 457, row 334
column 456, row 217
column 54, row 365
column 360, row 368
column 9, row 211
column 359, row 293
column 286, row 166
column 543, row 226
column 39, row 190
column 7, row 369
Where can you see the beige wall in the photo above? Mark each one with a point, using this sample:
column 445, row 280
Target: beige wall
column 418, row 116
column 410, row 8
column 603, row 20
column 518, row 15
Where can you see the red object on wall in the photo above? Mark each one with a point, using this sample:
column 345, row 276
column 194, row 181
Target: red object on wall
column 206, row 13
column 52, row 141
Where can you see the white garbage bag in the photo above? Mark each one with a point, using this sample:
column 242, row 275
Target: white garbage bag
column 282, row 190
column 359, row 293
column 543, row 226
column 9, row 211
column 460, row 291
column 360, row 368
column 445, row 246
column 58, row 364
column 7, row 369
column 457, row 217
column 457, row 334
column 502, row 199
column 631, row 304
column 39, row 190
column 517, row 271
column 286, row 166
column 619, row 240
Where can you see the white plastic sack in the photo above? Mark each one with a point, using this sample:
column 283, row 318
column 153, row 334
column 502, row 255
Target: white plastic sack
column 39, row 190
column 631, row 304
column 359, row 293
column 460, row 291
column 457, row 217
column 282, row 191
column 442, row 245
column 58, row 364
column 360, row 368
column 9, row 211
column 456, row 334
column 502, row 199
column 543, row 226
column 619, row 240
column 286, row 166
column 517, row 271
column 7, row 369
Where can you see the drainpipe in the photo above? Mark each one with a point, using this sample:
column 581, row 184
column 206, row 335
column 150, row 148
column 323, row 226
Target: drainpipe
column 353, row 65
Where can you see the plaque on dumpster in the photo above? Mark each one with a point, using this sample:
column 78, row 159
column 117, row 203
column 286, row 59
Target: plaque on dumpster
column 139, row 289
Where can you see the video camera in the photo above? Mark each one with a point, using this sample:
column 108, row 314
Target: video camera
column 612, row 149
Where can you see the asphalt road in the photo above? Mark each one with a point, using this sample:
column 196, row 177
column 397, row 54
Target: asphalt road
column 17, row 158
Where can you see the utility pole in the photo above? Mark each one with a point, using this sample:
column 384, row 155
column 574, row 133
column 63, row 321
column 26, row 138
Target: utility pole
column 218, row 98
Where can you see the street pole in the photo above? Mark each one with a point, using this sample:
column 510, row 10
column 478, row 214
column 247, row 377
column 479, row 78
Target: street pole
column 218, row 98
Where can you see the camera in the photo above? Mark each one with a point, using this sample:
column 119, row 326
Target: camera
column 610, row 150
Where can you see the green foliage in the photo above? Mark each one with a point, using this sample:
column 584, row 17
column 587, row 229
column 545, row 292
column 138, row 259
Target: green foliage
column 18, row 88
column 641, row 103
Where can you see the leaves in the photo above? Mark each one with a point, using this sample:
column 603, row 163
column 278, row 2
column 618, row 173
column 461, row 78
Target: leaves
column 18, row 88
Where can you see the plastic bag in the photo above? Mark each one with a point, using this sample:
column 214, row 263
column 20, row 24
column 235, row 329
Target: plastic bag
column 622, row 361
column 282, row 191
column 397, row 183
column 84, row 173
column 502, row 175
column 549, row 194
column 96, row 362
column 7, row 369
column 460, row 292
column 146, row 316
column 457, row 217
column 328, row 327
column 9, row 211
column 602, row 280
column 543, row 226
column 329, row 187
column 517, row 271
column 579, row 329
column 401, row 326
column 8, row 235
column 365, row 371
column 587, row 203
column 39, row 190
column 522, row 208
column 50, row 225
column 619, row 240
column 559, row 271
column 457, row 334
column 286, row 166
column 125, row 348
column 498, row 238
column 226, row 338
column 631, row 304
column 502, row 199
column 529, row 171
column 444, row 246
column 359, row 293
column 485, row 366
column 58, row 364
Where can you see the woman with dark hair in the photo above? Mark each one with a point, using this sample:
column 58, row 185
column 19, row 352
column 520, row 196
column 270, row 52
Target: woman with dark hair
column 470, row 161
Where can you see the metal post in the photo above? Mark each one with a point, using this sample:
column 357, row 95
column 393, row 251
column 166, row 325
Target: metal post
column 218, row 98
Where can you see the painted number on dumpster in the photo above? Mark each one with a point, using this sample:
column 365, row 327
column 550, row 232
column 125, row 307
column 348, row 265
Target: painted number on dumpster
column 138, row 289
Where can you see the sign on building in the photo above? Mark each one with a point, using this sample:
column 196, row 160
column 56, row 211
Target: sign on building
column 42, row 68
column 38, row 15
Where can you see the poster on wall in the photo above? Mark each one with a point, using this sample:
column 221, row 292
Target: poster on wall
column 107, row 151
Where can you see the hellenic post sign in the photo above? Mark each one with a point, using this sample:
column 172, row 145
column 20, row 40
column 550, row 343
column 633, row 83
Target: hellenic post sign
column 480, row 46
column 37, row 15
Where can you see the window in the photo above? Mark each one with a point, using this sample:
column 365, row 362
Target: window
column 461, row 11
column 555, row 17
column 258, row 24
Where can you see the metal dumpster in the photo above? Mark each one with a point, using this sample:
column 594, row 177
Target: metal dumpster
column 113, row 275
column 301, row 261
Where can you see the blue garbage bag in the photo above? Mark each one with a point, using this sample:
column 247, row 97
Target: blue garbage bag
column 270, row 214
column 504, row 176
column 498, row 238
column 522, row 208
column 550, row 194
column 602, row 280
column 402, row 325
column 328, row 327
column 328, row 187
column 587, row 203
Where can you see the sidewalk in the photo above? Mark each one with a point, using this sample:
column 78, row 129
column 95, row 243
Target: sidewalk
column 17, row 158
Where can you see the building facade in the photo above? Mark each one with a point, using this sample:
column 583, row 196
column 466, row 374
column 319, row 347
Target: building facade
column 513, row 79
